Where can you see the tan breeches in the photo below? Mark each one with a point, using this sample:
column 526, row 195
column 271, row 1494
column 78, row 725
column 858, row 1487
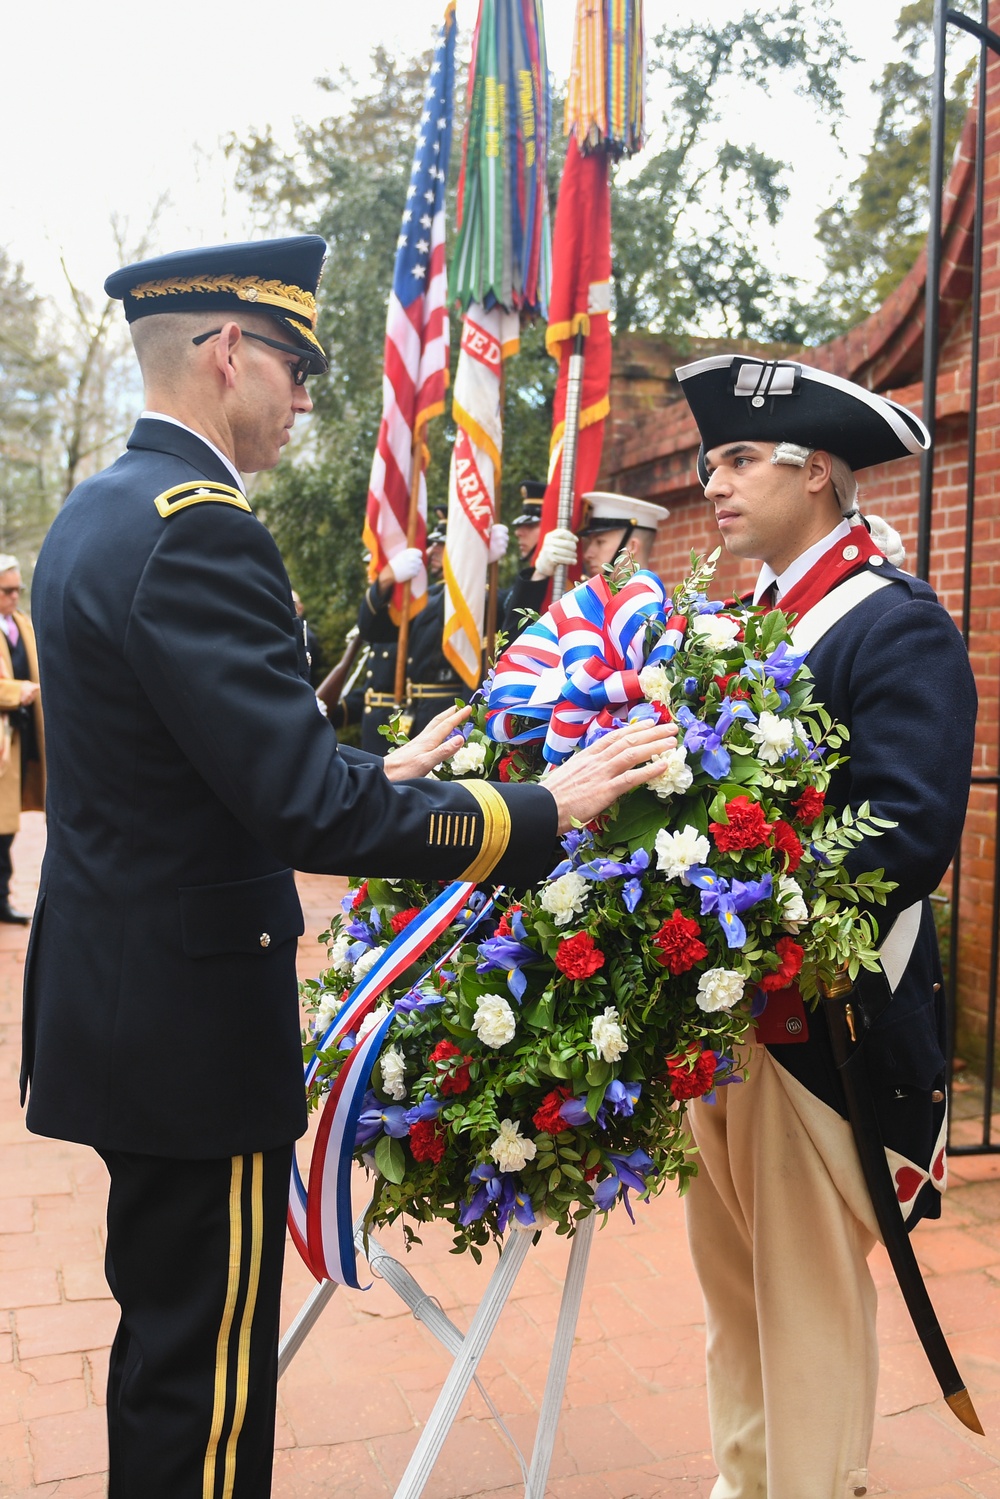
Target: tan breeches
column 780, row 1226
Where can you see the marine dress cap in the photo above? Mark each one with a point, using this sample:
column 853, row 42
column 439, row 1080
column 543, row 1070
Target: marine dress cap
column 437, row 537
column 276, row 276
column 532, row 495
column 604, row 511
column 735, row 398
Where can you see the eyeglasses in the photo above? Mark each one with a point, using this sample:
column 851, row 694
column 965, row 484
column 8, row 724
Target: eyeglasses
column 15, row 589
column 299, row 371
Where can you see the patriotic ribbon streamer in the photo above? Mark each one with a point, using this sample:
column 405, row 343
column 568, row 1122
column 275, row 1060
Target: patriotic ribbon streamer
column 319, row 1218
column 580, row 660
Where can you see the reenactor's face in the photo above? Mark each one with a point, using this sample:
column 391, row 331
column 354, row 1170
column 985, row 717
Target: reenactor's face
column 762, row 509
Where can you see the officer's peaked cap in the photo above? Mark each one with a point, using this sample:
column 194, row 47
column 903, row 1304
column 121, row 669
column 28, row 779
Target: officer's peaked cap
column 736, row 398
column 606, row 511
column 532, row 495
column 276, row 276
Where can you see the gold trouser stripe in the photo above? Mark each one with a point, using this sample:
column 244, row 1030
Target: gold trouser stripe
column 246, row 1325
column 496, row 829
column 225, row 1327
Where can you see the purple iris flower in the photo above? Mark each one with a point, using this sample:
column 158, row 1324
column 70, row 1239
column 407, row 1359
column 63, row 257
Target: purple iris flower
column 621, row 1098
column 361, row 931
column 690, row 686
column 782, row 666
column 725, row 899
column 630, row 870
column 626, row 1171
column 511, row 954
column 573, row 841
column 700, row 736
column 704, row 605
column 376, row 1119
column 494, row 1186
column 573, row 1112
column 428, row 1108
column 471, row 910
column 417, row 999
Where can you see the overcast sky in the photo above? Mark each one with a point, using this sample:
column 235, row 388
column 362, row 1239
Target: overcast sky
column 107, row 105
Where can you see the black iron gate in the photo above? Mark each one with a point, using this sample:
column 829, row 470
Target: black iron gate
column 988, row 41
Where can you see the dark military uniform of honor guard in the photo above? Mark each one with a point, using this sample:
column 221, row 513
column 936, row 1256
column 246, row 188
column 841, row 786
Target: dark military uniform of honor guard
column 780, row 1217
column 189, row 772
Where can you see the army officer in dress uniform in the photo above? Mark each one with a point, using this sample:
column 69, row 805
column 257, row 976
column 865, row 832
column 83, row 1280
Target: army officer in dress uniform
column 779, row 1216
column 189, row 772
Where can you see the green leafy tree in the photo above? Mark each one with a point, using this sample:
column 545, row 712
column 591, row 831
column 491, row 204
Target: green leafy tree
column 686, row 260
column 873, row 234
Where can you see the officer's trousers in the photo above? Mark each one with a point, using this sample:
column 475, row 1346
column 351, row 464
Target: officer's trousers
column 194, row 1259
column 780, row 1225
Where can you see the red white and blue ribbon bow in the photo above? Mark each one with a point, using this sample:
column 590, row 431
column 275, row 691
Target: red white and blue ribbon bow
column 580, row 660
column 320, row 1218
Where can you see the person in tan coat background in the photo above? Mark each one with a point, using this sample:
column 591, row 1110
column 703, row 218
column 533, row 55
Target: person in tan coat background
column 22, row 751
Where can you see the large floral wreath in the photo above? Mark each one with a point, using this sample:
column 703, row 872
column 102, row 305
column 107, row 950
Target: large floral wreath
column 540, row 1069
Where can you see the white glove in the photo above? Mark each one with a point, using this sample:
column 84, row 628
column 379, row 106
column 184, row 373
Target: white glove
column 406, row 564
column 557, row 550
column 499, row 537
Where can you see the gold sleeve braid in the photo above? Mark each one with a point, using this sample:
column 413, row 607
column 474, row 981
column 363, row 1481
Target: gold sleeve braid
column 496, row 830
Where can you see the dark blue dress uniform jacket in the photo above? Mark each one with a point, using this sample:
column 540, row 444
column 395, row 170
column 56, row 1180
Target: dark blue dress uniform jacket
column 189, row 772
column 895, row 671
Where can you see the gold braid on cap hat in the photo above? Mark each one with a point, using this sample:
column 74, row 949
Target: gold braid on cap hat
column 294, row 299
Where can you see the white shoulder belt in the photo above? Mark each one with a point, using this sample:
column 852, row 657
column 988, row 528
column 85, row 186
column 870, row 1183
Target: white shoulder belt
column 894, row 954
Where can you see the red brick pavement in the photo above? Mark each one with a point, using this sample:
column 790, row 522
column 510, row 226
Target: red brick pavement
column 352, row 1401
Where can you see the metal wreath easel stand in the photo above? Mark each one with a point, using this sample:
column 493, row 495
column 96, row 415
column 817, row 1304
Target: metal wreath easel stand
column 467, row 1349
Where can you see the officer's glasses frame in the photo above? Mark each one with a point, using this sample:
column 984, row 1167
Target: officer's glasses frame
column 300, row 371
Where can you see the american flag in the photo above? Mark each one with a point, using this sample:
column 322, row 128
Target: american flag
column 416, row 332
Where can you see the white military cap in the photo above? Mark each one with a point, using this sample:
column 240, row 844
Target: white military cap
column 605, row 511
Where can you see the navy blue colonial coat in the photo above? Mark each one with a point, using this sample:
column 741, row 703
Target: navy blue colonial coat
column 189, row 772
column 896, row 673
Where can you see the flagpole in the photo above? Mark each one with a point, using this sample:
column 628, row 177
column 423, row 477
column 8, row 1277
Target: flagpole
column 567, row 473
column 403, row 638
column 493, row 571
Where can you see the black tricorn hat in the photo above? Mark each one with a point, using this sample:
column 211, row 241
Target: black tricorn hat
column 532, row 495
column 736, row 398
column 276, row 276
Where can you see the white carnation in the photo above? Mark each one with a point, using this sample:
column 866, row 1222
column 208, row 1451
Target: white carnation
column 564, row 898
column 794, row 910
column 676, row 852
column 470, row 759
column 655, row 683
column 718, row 629
column 366, row 963
column 339, row 961
column 607, row 1036
column 774, row 736
column 510, row 1149
column 720, row 989
column 393, row 1066
column 324, row 1015
column 371, row 1021
column 494, row 1023
column 675, row 777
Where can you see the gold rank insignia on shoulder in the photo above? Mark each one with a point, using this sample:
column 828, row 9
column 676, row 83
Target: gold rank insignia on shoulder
column 182, row 495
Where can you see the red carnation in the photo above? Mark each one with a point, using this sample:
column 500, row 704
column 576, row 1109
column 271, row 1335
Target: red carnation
column 503, row 925
column 691, row 1079
column 546, row 1117
column 809, row 806
column 452, row 1076
column 503, row 769
column 427, row 1140
column 679, row 942
column 403, row 918
column 747, row 826
column 577, row 957
column 360, row 896
column 785, row 839
column 790, row 954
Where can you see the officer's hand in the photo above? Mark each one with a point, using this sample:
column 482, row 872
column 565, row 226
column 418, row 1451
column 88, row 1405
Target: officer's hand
column 435, row 743
column 557, row 550
column 406, row 564
column 29, row 691
column 594, row 778
column 499, row 537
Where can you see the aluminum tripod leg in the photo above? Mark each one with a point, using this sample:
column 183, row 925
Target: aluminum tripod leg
column 562, row 1348
column 460, row 1375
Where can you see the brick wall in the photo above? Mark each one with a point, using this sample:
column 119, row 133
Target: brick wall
column 652, row 444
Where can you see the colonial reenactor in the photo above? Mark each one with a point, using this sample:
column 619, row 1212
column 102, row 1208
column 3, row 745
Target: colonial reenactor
column 190, row 771
column 22, row 731
column 781, row 1217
